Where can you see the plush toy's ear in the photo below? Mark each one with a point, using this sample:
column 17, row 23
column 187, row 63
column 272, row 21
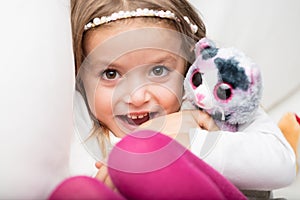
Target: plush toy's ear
column 255, row 75
column 202, row 44
column 289, row 125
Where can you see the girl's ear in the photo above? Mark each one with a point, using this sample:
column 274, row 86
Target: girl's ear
column 202, row 44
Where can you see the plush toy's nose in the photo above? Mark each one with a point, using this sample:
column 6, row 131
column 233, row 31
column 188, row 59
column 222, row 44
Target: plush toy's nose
column 196, row 79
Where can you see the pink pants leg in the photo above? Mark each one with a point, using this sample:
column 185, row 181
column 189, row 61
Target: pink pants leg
column 150, row 165
column 83, row 187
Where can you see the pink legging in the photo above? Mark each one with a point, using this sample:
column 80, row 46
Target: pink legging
column 150, row 165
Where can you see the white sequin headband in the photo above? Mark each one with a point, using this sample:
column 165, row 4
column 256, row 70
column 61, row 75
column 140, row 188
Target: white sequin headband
column 137, row 13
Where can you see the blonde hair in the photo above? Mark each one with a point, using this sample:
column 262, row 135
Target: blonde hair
column 83, row 11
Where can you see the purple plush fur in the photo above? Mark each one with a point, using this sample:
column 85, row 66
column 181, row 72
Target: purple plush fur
column 225, row 83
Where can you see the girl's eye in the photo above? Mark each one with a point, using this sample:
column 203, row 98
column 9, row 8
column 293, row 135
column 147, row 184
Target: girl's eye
column 110, row 74
column 159, row 70
column 223, row 91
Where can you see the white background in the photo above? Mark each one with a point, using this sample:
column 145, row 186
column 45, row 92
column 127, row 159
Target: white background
column 36, row 96
column 269, row 32
column 37, row 79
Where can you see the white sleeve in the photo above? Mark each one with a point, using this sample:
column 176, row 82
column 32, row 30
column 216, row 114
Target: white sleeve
column 81, row 162
column 256, row 157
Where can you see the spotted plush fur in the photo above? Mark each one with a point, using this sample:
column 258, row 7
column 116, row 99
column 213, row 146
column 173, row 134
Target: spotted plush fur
column 225, row 83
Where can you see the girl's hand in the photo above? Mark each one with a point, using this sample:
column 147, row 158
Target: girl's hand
column 177, row 125
column 102, row 175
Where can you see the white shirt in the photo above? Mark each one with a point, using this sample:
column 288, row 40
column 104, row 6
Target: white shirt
column 256, row 157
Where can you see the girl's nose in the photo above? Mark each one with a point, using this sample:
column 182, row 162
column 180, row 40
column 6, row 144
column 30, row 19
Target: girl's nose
column 138, row 97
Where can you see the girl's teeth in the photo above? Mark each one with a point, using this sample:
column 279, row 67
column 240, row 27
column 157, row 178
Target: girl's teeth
column 137, row 116
column 136, row 119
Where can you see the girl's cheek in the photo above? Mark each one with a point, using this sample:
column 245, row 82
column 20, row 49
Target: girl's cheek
column 102, row 102
column 170, row 100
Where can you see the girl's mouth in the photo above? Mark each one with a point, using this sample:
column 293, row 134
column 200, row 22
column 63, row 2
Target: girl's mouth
column 137, row 119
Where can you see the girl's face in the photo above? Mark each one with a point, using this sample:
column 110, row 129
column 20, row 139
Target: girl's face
column 134, row 73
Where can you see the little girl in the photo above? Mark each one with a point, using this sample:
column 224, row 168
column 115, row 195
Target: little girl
column 131, row 58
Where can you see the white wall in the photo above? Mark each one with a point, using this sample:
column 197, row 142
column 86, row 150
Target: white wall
column 268, row 31
column 36, row 96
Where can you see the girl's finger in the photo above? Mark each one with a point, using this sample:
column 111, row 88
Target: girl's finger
column 204, row 120
column 109, row 182
column 102, row 173
column 98, row 165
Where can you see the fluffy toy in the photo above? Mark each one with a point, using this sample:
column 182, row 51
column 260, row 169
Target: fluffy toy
column 225, row 83
column 289, row 125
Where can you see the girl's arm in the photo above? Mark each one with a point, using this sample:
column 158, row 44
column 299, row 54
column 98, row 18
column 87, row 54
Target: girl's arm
column 103, row 176
column 178, row 125
column 256, row 157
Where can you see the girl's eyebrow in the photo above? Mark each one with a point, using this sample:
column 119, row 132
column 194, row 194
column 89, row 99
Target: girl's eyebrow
column 160, row 59
column 100, row 65
column 105, row 64
column 166, row 58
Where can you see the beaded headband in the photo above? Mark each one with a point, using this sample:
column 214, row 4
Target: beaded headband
column 137, row 13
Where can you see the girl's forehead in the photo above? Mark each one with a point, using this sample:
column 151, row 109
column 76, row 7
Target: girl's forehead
column 109, row 45
column 122, row 34
column 144, row 57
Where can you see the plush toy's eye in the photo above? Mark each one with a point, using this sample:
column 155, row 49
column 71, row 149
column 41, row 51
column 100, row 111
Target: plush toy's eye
column 223, row 91
column 196, row 79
